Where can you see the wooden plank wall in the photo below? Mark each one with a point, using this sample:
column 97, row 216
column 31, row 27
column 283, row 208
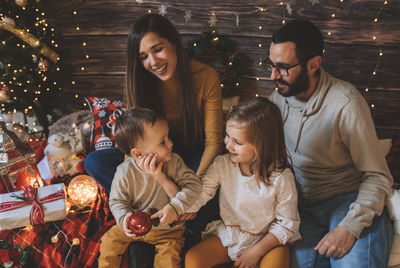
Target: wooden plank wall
column 352, row 52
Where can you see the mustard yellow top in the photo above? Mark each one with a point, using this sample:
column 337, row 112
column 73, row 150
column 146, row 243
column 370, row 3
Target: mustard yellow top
column 208, row 94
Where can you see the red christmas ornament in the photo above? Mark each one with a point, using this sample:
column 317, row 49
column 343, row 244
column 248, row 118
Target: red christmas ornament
column 139, row 223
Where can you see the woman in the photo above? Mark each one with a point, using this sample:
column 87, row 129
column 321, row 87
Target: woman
column 186, row 92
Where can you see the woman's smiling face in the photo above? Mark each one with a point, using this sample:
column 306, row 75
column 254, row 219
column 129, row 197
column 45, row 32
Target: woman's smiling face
column 158, row 56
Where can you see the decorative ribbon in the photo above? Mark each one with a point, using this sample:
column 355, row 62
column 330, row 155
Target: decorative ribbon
column 36, row 214
column 30, row 40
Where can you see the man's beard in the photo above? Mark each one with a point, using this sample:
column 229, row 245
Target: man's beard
column 299, row 85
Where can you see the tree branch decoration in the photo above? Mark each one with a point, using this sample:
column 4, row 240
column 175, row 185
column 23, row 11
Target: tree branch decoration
column 31, row 40
column 209, row 45
column 13, row 255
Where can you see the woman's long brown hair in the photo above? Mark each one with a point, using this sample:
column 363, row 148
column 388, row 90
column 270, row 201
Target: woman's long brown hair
column 143, row 88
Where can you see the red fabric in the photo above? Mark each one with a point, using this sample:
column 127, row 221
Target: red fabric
column 38, row 149
column 105, row 111
column 87, row 227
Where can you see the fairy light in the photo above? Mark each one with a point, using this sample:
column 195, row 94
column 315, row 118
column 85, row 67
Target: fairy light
column 82, row 190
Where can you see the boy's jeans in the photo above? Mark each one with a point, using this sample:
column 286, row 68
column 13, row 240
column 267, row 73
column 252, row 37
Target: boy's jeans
column 371, row 250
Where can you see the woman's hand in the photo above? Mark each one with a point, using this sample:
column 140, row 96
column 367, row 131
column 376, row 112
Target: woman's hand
column 128, row 231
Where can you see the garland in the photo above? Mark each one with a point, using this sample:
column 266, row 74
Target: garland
column 14, row 256
column 229, row 68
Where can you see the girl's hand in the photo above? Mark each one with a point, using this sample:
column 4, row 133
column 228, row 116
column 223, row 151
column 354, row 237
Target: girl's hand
column 128, row 231
column 167, row 215
column 248, row 258
column 187, row 216
column 149, row 163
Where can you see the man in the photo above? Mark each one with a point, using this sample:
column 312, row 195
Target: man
column 340, row 169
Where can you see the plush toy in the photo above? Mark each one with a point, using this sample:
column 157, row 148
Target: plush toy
column 57, row 148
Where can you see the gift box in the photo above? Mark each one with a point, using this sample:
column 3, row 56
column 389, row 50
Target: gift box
column 17, row 163
column 32, row 206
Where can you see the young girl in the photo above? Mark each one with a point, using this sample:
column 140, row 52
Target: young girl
column 257, row 198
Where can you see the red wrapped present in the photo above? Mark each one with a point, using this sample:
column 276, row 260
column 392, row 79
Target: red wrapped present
column 32, row 206
column 17, row 163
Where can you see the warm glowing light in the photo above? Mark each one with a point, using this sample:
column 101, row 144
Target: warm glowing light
column 54, row 239
column 82, row 190
column 372, row 105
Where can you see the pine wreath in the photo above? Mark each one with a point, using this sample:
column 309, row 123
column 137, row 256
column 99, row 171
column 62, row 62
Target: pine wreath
column 18, row 257
column 229, row 68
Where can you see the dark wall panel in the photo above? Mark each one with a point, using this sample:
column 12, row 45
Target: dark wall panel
column 351, row 52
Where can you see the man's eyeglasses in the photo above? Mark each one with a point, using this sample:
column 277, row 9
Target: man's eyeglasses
column 283, row 71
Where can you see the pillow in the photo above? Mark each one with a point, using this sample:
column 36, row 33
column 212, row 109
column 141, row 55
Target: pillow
column 393, row 159
column 105, row 111
column 394, row 212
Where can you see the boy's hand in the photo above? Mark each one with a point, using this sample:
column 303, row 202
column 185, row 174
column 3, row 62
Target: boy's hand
column 128, row 231
column 149, row 163
column 167, row 215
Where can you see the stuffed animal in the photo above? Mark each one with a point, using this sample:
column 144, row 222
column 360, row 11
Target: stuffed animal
column 57, row 148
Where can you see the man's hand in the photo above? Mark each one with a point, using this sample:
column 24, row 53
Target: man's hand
column 167, row 215
column 336, row 243
column 128, row 231
column 248, row 258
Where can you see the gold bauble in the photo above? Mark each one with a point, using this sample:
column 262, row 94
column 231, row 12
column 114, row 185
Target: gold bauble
column 43, row 65
column 21, row 3
column 3, row 94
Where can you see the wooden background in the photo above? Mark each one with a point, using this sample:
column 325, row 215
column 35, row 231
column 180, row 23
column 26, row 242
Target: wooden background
column 351, row 52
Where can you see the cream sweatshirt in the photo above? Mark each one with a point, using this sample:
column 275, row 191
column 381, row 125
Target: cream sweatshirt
column 134, row 190
column 334, row 148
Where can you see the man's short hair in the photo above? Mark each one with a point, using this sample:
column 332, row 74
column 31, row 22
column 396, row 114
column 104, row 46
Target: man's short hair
column 129, row 127
column 305, row 35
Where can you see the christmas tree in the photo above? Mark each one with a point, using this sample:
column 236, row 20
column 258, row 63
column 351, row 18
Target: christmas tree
column 31, row 72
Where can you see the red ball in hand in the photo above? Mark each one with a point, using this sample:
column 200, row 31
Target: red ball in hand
column 139, row 223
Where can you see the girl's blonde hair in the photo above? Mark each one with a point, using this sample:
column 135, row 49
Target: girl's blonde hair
column 263, row 125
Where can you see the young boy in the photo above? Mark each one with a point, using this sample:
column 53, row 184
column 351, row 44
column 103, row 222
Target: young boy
column 152, row 177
